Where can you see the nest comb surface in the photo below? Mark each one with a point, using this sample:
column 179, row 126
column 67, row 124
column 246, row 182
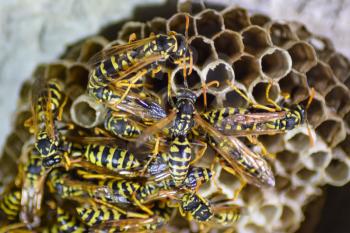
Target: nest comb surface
column 249, row 50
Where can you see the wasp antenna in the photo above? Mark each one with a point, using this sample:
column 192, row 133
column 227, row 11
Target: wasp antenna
column 187, row 26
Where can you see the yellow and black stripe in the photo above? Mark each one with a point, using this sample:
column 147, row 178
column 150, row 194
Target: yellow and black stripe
column 198, row 208
column 112, row 158
column 227, row 216
column 121, row 191
column 95, row 215
column 122, row 127
column 10, row 204
column 196, row 176
column 68, row 223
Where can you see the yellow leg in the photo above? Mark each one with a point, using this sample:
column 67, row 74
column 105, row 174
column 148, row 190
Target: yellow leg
column 155, row 71
column 154, row 155
column 268, row 99
column 139, row 204
column 99, row 131
column 110, row 206
column 61, row 108
column 242, row 181
column 200, row 153
column 132, row 37
column 170, row 100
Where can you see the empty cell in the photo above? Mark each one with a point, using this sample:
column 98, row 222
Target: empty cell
column 90, row 48
column 337, row 172
column 271, row 212
column 155, row 26
column 130, row 28
column 211, row 102
column 228, row 45
column 253, row 228
column 221, row 72
column 299, row 142
column 282, row 183
column 251, row 194
column 86, row 113
column 236, row 19
column 316, row 112
column 259, row 19
column 255, row 40
column 323, row 46
column 338, row 99
column 296, row 193
column 319, row 159
column 209, row 23
column 159, row 82
column 288, row 217
column 303, row 56
column 177, row 23
column 233, row 99
column 306, row 175
column 320, row 77
column 331, row 131
column 340, row 66
column 280, row 33
column 247, row 69
column 259, row 92
column 77, row 75
column 203, row 50
column 56, row 71
column 228, row 180
column 191, row 6
column 273, row 143
column 288, row 159
column 294, row 85
column 276, row 64
column 193, row 80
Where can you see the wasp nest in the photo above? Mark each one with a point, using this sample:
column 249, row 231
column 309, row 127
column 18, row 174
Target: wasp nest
column 251, row 51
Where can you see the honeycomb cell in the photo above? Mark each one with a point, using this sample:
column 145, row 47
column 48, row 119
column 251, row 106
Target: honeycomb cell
column 219, row 71
column 77, row 80
column 316, row 111
column 233, row 99
column 347, row 82
column 247, row 69
column 338, row 99
column 290, row 216
column 91, row 47
column 270, row 212
column 212, row 102
column 340, row 66
column 209, row 23
column 177, row 23
column 337, row 172
column 280, row 33
column 347, row 119
column 8, row 167
column 236, row 19
column 288, row 159
column 86, row 112
column 253, row 228
column 234, row 50
column 276, row 63
column 323, row 46
column 251, row 194
column 332, row 131
column 228, row 181
column 298, row 141
column 193, row 80
column 318, row 159
column 56, row 71
column 307, row 176
column 294, row 84
column 273, row 143
column 300, row 30
column 203, row 50
column 320, row 77
column 130, row 28
column 303, row 56
column 21, row 117
column 190, row 6
column 13, row 145
column 259, row 92
column 344, row 145
column 259, row 19
column 156, row 26
column 255, row 40
column 25, row 92
column 296, row 193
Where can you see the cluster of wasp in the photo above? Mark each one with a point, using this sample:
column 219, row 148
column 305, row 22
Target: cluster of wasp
column 138, row 169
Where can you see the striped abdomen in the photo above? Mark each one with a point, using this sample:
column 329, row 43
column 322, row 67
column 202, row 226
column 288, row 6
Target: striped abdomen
column 67, row 222
column 228, row 216
column 199, row 209
column 122, row 127
column 10, row 204
column 119, row 191
column 179, row 159
column 96, row 215
column 112, row 158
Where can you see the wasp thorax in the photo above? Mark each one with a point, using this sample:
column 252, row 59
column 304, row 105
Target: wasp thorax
column 46, row 145
column 164, row 44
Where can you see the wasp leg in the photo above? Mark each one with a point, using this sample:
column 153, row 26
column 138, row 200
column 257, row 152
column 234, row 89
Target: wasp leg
column 140, row 205
column 200, row 152
column 61, row 108
column 170, row 100
column 155, row 71
column 242, row 181
column 268, row 99
column 212, row 167
column 132, row 37
column 204, row 90
column 154, row 155
column 99, row 131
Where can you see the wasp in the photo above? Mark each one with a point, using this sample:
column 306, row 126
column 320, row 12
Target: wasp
column 48, row 103
column 10, row 204
column 67, row 222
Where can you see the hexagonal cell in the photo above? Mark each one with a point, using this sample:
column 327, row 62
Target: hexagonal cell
column 318, row 159
column 270, row 212
column 259, row 19
column 288, row 217
column 255, row 40
column 332, row 131
column 77, row 80
column 307, row 176
column 86, row 112
column 303, row 56
column 211, row 102
column 91, row 47
column 340, row 66
column 228, row 180
column 247, row 69
column 316, row 111
column 251, row 194
column 296, row 193
column 337, row 172
column 209, row 22
column 56, row 71
column 190, row 6
column 219, row 71
column 299, row 142
column 288, row 159
column 232, row 52
column 300, row 30
column 259, row 92
column 320, row 77
column 252, row 228
column 323, row 46
column 236, row 19
column 156, row 26
column 203, row 50
column 338, row 99
column 282, row 182
column 294, row 84
column 177, row 23
column 193, row 80
column 130, row 28
column 276, row 63
column 233, row 99
column 273, row 143
column 280, row 33
column 159, row 82
column 344, row 145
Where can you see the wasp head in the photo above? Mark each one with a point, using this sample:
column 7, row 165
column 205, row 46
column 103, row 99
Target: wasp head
column 46, row 145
